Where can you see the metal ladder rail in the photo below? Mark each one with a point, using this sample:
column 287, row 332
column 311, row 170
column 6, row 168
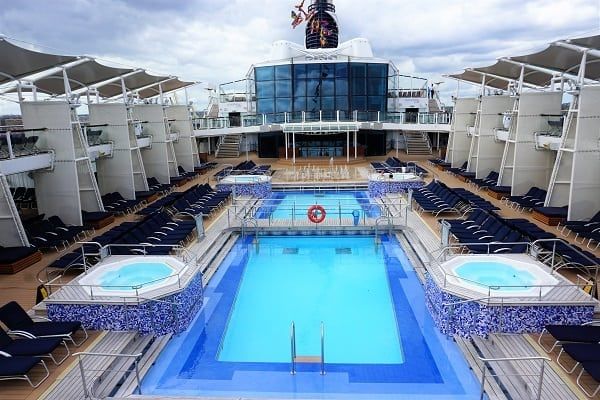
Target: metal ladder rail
column 571, row 116
column 13, row 210
column 511, row 136
column 293, row 348
column 78, row 131
column 474, row 146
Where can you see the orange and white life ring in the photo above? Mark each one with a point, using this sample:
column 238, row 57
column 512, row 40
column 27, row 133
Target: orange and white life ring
column 316, row 214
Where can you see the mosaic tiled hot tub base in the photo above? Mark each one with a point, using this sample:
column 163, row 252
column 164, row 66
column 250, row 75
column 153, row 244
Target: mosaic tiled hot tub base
column 474, row 319
column 380, row 188
column 171, row 314
column 258, row 190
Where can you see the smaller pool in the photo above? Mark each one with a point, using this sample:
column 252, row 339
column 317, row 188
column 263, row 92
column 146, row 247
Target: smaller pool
column 496, row 274
column 505, row 276
column 396, row 177
column 134, row 275
column 244, row 179
column 128, row 276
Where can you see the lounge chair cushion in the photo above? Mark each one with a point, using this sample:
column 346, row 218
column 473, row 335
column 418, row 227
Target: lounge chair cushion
column 10, row 366
column 553, row 211
column 575, row 333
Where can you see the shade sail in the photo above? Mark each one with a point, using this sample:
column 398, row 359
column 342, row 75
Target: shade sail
column 591, row 42
column 132, row 82
column 80, row 76
column 167, row 86
column 563, row 60
column 475, row 77
column 18, row 62
column 512, row 71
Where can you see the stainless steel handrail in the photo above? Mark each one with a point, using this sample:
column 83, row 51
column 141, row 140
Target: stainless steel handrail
column 510, row 359
column 79, row 356
column 322, row 348
column 293, row 347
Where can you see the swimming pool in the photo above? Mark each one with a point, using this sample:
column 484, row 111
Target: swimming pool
column 239, row 344
column 285, row 205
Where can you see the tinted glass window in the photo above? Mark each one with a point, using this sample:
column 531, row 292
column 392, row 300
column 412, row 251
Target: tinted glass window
column 264, row 73
column 341, row 70
column 359, row 70
column 376, row 103
column 299, row 103
column 283, row 105
column 265, row 89
column 376, row 86
column 283, row 72
column 265, row 106
column 359, row 103
column 313, row 70
column 341, row 103
column 283, row 88
column 359, row 86
column 328, row 87
column 341, row 87
column 328, row 103
column 300, row 71
column 300, row 87
column 377, row 70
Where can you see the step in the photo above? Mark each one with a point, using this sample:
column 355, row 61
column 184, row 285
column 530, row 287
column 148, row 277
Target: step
column 307, row 359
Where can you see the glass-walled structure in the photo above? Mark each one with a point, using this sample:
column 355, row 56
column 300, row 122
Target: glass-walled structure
column 327, row 87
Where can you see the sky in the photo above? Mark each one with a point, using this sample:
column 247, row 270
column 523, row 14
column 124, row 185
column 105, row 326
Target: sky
column 216, row 41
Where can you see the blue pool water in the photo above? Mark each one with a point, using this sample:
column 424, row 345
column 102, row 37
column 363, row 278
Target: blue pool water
column 495, row 274
column 308, row 281
column 282, row 205
column 134, row 274
column 356, row 287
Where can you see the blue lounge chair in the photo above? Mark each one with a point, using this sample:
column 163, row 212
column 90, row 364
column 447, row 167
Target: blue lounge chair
column 32, row 347
column 593, row 369
column 17, row 320
column 19, row 368
column 570, row 334
column 580, row 352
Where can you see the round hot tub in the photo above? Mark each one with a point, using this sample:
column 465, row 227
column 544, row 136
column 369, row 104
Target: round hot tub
column 258, row 186
column 512, row 275
column 122, row 276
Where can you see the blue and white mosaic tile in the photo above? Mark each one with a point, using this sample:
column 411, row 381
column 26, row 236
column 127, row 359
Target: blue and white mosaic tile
column 259, row 190
column 475, row 319
column 380, row 188
column 171, row 314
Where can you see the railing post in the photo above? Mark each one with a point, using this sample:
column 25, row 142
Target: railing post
column 86, row 393
column 322, row 348
column 482, row 389
column 541, row 381
column 293, row 348
column 137, row 376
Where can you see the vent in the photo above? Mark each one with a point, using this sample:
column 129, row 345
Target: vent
column 290, row 250
column 343, row 250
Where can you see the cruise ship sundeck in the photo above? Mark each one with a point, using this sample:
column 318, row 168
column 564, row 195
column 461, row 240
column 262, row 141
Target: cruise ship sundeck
column 319, row 250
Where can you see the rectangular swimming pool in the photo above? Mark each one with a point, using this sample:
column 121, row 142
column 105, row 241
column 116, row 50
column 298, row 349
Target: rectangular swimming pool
column 284, row 205
column 333, row 280
column 380, row 340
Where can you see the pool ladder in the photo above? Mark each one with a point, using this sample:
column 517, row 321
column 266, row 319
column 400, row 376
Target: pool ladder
column 296, row 359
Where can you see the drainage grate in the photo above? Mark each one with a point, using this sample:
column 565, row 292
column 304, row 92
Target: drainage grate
column 290, row 250
column 343, row 250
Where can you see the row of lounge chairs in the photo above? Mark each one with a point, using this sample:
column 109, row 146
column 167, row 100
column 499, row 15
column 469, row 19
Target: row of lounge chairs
column 437, row 198
column 244, row 168
column 586, row 231
column 24, row 197
column 53, row 233
column 393, row 164
column 22, row 145
column 37, row 340
column 582, row 344
column 200, row 200
column 116, row 204
column 570, row 256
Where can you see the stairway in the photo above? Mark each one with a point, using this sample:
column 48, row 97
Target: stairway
column 434, row 106
column 417, row 143
column 229, row 147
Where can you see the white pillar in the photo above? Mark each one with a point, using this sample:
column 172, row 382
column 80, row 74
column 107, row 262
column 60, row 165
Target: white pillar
column 294, row 148
column 355, row 144
column 347, row 147
column 286, row 140
column 397, row 134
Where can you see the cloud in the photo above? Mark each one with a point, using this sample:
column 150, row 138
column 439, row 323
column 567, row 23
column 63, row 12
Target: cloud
column 217, row 41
